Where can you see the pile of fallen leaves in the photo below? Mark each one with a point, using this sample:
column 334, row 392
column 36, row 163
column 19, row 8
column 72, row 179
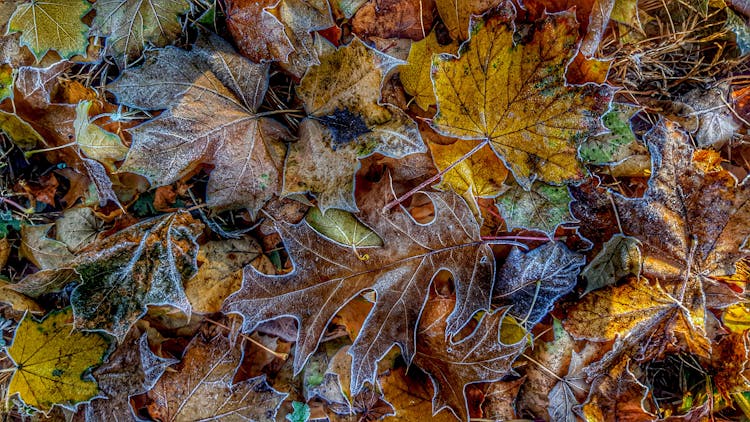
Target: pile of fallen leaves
column 363, row 209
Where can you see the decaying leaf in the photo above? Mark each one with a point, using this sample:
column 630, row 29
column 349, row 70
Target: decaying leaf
column 345, row 123
column 95, row 142
column 483, row 356
column 43, row 252
column 51, row 359
column 543, row 208
column 326, row 276
column 532, row 120
column 259, row 34
column 131, row 369
column 620, row 257
column 220, row 272
column 52, row 25
column 244, row 149
column 531, row 282
column 131, row 25
column 201, row 388
column 118, row 276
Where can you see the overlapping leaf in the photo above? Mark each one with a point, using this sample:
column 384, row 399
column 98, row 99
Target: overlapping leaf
column 52, row 25
column 244, row 149
column 514, row 95
column 345, row 123
column 131, row 25
column 118, row 276
column 326, row 276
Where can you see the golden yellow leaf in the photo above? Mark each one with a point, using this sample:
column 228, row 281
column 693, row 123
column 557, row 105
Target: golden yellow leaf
column 737, row 317
column 456, row 14
column 51, row 359
column 415, row 74
column 482, row 173
column 515, row 96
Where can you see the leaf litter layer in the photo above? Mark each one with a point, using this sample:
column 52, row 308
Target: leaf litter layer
column 374, row 209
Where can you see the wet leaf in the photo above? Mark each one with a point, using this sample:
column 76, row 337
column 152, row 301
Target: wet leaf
column 532, row 120
column 532, row 282
column 326, row 276
column 202, row 388
column 542, row 208
column 132, row 25
column 52, row 25
column 345, row 123
column 51, row 361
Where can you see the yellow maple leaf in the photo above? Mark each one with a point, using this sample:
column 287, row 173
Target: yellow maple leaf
column 51, row 359
column 415, row 74
column 482, row 174
column 515, row 96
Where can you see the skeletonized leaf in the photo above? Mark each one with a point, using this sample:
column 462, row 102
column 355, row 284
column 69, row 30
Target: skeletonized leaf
column 131, row 25
column 201, row 388
column 514, row 95
column 531, row 282
column 52, row 25
column 326, row 276
column 51, row 360
column 345, row 123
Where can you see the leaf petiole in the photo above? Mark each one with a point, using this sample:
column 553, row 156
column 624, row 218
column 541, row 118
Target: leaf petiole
column 437, row 176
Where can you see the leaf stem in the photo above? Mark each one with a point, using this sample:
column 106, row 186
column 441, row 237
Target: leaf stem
column 531, row 238
column 279, row 355
column 28, row 154
column 432, row 179
column 15, row 205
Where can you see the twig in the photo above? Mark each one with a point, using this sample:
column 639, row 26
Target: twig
column 252, row 340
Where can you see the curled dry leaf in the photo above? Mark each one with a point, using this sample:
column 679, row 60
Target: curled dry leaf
column 326, row 276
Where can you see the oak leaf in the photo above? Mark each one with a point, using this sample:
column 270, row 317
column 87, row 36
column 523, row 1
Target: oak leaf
column 485, row 355
column 131, row 25
column 51, row 360
column 244, row 149
column 514, row 96
column 345, row 123
column 201, row 387
column 120, row 275
column 326, row 276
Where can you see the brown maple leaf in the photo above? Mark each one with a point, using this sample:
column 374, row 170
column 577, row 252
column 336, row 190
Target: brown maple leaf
column 326, row 276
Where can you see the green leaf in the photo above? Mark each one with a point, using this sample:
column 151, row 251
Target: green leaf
column 7, row 74
column 301, row 412
column 617, row 145
column 52, row 25
column 620, row 256
column 343, row 228
column 132, row 24
column 542, row 208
